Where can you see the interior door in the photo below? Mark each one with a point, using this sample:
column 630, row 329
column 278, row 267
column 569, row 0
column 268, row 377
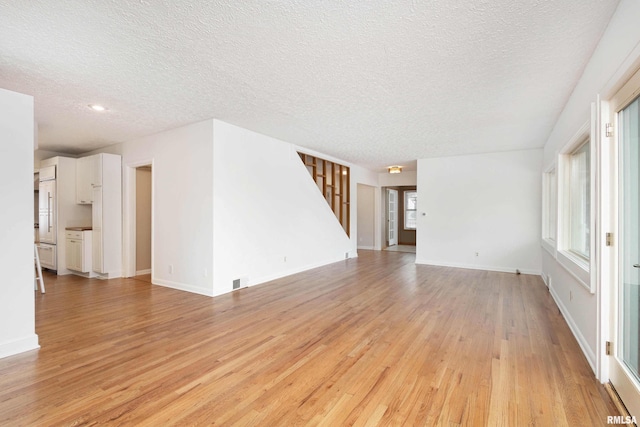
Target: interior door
column 392, row 217
column 625, row 301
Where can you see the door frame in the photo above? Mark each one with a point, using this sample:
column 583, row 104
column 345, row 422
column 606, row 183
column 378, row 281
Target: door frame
column 389, row 190
column 369, row 211
column 610, row 368
column 129, row 217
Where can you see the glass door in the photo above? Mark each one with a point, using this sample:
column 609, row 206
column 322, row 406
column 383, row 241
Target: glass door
column 630, row 254
column 392, row 217
column 625, row 363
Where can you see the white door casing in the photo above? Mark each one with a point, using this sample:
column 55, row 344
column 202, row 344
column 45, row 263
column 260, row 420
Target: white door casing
column 392, row 217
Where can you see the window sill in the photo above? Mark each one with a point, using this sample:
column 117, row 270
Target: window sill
column 550, row 246
column 577, row 266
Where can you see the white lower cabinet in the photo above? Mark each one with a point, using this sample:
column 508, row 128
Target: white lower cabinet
column 78, row 250
column 47, row 255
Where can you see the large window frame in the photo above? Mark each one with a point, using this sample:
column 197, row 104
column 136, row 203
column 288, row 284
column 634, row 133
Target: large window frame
column 576, row 205
column 578, row 216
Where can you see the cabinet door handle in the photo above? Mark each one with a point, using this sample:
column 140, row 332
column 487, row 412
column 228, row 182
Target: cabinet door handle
column 636, row 265
column 49, row 210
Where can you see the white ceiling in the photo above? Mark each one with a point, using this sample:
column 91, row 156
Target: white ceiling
column 374, row 82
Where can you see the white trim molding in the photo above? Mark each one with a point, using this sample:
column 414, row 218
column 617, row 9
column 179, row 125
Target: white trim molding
column 18, row 346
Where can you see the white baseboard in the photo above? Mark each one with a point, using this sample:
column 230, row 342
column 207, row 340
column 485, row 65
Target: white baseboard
column 182, row 287
column 292, row 271
column 109, row 275
column 141, row 272
column 582, row 342
column 21, row 345
column 367, row 248
column 478, row 267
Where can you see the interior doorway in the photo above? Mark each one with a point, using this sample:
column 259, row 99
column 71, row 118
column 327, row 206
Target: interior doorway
column 143, row 221
column 392, row 217
column 366, row 217
column 138, row 219
column 400, row 218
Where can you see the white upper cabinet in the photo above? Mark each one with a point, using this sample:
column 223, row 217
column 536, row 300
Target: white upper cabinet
column 83, row 180
column 88, row 175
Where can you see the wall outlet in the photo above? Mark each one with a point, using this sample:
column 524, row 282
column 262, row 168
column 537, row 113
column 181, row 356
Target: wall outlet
column 170, row 268
column 477, row 254
column 205, row 273
column 570, row 296
column 284, row 259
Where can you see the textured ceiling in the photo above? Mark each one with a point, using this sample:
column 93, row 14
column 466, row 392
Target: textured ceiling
column 375, row 82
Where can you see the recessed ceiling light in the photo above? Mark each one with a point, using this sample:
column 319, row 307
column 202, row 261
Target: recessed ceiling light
column 97, row 107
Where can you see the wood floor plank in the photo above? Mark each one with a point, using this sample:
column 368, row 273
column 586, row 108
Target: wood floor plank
column 376, row 340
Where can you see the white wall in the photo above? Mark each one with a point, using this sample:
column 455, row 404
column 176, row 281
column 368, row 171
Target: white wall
column 406, row 178
column 616, row 55
column 614, row 59
column 230, row 204
column 270, row 220
column 182, row 162
column 17, row 313
column 484, row 203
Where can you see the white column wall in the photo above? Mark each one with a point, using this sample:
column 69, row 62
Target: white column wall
column 182, row 203
column 270, row 220
column 17, row 312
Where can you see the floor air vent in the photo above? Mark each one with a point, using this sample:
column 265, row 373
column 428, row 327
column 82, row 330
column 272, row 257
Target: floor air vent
column 240, row 283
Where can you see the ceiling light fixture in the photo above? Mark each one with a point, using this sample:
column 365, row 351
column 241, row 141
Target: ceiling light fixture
column 395, row 169
column 97, row 107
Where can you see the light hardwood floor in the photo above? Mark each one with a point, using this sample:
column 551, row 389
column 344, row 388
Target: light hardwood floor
column 375, row 340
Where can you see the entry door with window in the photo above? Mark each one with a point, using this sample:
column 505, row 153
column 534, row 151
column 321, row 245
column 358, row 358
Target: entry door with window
column 392, row 216
column 625, row 362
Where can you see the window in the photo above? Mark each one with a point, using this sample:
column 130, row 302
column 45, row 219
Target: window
column 410, row 209
column 574, row 232
column 550, row 214
column 579, row 201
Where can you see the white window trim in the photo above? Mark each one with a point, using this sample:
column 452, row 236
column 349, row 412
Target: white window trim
column 404, row 210
column 579, row 267
column 549, row 245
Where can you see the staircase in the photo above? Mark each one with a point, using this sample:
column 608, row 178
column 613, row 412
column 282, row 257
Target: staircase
column 332, row 180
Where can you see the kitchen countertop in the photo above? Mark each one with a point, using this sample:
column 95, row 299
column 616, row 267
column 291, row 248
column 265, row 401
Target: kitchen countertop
column 78, row 228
